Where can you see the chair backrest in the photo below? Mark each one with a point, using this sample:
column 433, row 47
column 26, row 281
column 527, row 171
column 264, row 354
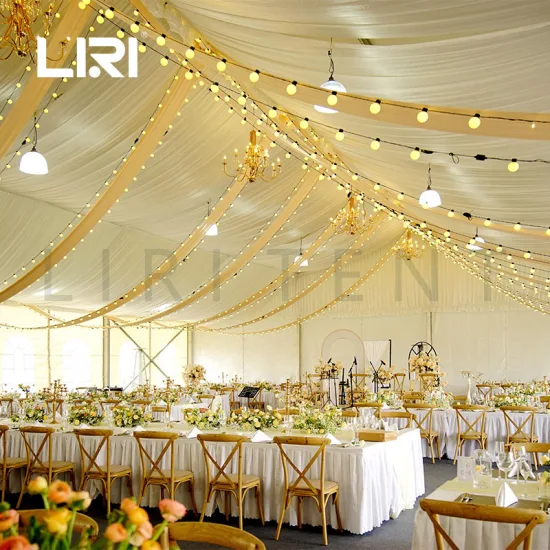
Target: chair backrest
column 359, row 381
column 88, row 459
column 460, row 399
column 212, row 533
column 220, row 475
column 468, row 426
column 3, row 444
column 82, row 521
column 497, row 514
column 413, row 396
column 7, row 402
column 34, row 451
column 486, row 390
column 428, row 380
column 56, row 404
column 519, row 428
column 321, row 444
column 530, row 447
column 398, row 379
column 107, row 404
column 399, row 414
column 151, row 466
column 350, row 413
column 313, row 382
column 141, row 403
column 422, row 414
column 374, row 405
column 289, row 412
column 207, row 397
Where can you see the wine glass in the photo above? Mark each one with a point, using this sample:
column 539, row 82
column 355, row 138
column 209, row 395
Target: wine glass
column 525, row 471
column 505, row 462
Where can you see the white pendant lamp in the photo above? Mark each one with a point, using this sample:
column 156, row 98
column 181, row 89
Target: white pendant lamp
column 212, row 231
column 430, row 197
column 473, row 246
column 331, row 84
column 33, row 162
column 304, row 262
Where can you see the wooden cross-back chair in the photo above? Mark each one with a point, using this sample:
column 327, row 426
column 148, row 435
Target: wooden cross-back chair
column 474, row 430
column 237, row 484
column 320, row 490
column 520, row 430
column 384, row 415
column 168, row 479
column 234, row 403
column 545, row 400
column 82, row 522
column 208, row 397
column 8, row 403
column 141, row 403
column 534, row 448
column 398, row 380
column 106, row 473
column 212, row 533
column 257, row 402
column 360, row 383
column 373, row 405
column 422, row 414
column 108, row 404
column 413, row 397
column 54, row 403
column 8, row 464
column 428, row 380
column 519, row 516
column 36, row 465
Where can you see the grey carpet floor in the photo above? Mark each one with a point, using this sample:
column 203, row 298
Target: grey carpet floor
column 395, row 534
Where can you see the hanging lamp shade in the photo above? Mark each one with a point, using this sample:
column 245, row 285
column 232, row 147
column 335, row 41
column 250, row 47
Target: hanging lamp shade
column 212, row 230
column 333, row 86
column 33, row 163
column 430, row 198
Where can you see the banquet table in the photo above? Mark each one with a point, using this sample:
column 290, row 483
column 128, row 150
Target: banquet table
column 471, row 534
column 269, row 398
column 445, row 424
column 376, row 480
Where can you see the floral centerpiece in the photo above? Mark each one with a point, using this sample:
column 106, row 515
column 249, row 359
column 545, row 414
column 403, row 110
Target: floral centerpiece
column 389, row 398
column 256, row 419
column 126, row 415
column 263, row 385
column 127, row 528
column 510, row 399
column 26, row 389
column 216, row 386
column 423, row 362
column 170, row 395
column 32, row 411
column 328, row 370
column 84, row 414
column 204, row 418
column 193, row 375
column 439, row 398
column 299, row 396
column 314, row 421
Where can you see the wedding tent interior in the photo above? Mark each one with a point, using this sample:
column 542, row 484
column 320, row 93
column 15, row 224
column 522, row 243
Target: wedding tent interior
column 278, row 190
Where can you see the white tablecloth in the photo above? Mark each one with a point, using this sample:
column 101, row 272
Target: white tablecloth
column 470, row 534
column 376, row 481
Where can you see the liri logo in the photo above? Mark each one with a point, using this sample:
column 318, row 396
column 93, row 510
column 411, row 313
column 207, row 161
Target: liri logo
column 104, row 61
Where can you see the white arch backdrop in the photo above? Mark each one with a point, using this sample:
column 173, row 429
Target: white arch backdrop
column 356, row 345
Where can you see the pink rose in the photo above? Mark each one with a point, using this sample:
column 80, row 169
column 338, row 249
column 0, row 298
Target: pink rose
column 16, row 543
column 144, row 532
column 172, row 510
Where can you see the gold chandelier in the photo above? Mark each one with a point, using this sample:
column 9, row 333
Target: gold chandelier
column 18, row 17
column 409, row 248
column 352, row 219
column 255, row 163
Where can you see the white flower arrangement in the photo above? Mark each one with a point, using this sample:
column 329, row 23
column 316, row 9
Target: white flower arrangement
column 263, row 385
column 126, row 415
column 257, row 420
column 439, row 398
column 424, row 362
column 203, row 418
column 314, row 421
column 385, row 375
column 193, row 375
column 328, row 370
column 84, row 414
column 389, row 398
column 169, row 395
column 510, row 399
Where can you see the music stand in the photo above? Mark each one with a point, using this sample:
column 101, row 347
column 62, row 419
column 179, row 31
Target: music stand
column 250, row 392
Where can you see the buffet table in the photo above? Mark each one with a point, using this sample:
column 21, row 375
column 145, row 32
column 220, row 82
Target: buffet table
column 470, row 534
column 377, row 480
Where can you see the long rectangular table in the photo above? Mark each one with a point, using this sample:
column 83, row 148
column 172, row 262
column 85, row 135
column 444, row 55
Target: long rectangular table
column 376, row 481
column 471, row 534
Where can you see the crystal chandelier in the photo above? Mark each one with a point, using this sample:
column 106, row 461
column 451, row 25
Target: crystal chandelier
column 409, row 248
column 255, row 163
column 18, row 17
column 351, row 219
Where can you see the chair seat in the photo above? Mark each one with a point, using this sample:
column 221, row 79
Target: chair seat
column 179, row 476
column 57, row 466
column 523, row 439
column 15, row 462
column 330, row 486
column 474, row 435
column 247, row 481
column 428, row 434
column 117, row 470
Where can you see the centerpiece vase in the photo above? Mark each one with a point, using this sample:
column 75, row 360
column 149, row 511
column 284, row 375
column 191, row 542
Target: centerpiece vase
column 469, row 395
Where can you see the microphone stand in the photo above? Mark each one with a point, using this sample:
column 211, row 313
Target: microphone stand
column 350, row 374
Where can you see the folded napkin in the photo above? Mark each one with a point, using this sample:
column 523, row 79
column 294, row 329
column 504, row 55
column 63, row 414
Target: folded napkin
column 514, row 471
column 83, row 426
column 260, row 437
column 193, row 433
column 333, row 440
column 505, row 496
column 139, row 429
column 393, row 428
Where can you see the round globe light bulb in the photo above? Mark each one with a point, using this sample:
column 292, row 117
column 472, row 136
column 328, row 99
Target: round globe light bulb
column 142, row 48
column 120, row 34
column 332, row 99
column 475, row 121
column 513, row 166
column 272, row 113
column 254, row 76
column 340, row 135
column 189, row 75
column 215, row 88
column 423, row 116
column 375, row 144
column 109, row 13
column 241, row 100
column 161, row 40
column 190, row 53
column 375, row 107
column 291, row 88
column 134, row 27
column 415, row 154
column 221, row 66
column 164, row 61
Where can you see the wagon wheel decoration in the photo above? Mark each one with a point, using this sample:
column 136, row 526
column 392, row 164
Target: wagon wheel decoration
column 428, row 349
